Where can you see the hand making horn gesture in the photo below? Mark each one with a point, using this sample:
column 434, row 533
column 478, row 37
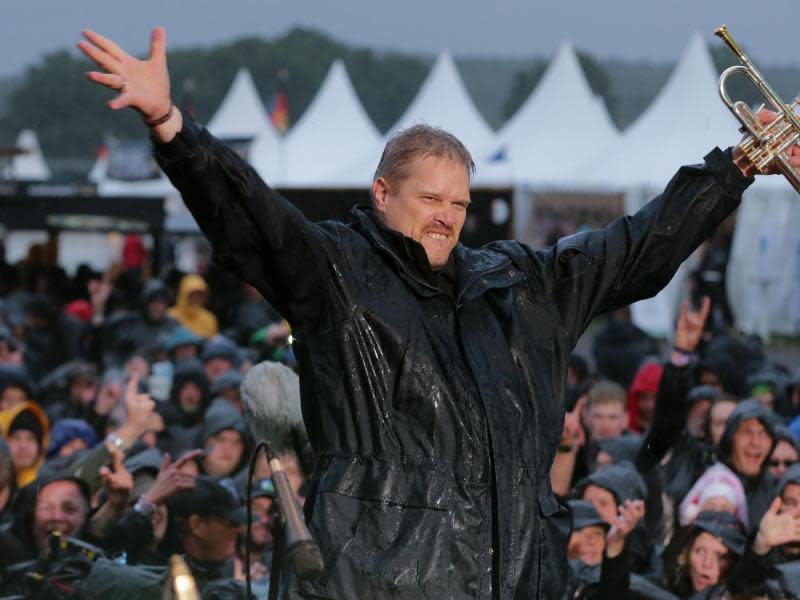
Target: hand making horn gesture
column 142, row 84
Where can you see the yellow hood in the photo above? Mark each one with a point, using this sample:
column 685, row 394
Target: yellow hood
column 26, row 475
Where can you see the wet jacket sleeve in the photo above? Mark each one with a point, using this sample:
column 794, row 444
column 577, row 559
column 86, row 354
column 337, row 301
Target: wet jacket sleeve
column 615, row 580
column 635, row 257
column 669, row 417
column 253, row 231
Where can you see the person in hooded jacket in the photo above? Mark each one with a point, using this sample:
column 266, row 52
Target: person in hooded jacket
column 223, row 436
column 16, row 386
column 713, row 558
column 27, row 432
column 189, row 393
column 642, row 396
column 745, row 448
column 8, row 484
column 433, row 374
column 131, row 331
column 596, row 550
column 786, row 452
column 611, row 487
column 188, row 310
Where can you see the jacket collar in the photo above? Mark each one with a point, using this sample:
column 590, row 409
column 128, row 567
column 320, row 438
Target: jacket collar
column 477, row 270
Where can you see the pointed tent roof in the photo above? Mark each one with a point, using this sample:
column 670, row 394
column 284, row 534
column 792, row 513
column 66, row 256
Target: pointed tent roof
column 684, row 122
column 443, row 101
column 333, row 133
column 242, row 115
column 559, row 126
column 31, row 165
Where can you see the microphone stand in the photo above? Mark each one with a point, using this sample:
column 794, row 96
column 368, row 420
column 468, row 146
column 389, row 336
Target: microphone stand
column 290, row 534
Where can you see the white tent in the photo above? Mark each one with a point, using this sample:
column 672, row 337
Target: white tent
column 684, row 122
column 561, row 125
column 242, row 119
column 442, row 101
column 333, row 133
column 31, row 165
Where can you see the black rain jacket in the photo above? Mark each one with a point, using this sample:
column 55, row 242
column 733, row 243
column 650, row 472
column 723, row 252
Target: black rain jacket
column 436, row 417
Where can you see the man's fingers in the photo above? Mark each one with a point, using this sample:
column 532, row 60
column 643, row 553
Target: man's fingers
column 158, row 44
column 110, row 80
column 102, row 59
column 105, row 44
column 766, row 116
column 121, row 101
column 578, row 409
column 133, row 383
column 187, row 457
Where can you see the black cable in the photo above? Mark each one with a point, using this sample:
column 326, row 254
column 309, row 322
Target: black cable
column 265, row 446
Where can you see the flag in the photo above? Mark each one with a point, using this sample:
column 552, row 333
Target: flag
column 279, row 114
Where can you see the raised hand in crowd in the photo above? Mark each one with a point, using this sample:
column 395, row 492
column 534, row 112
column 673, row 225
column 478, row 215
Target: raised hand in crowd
column 777, row 528
column 142, row 84
column 117, row 482
column 172, row 478
column 689, row 329
column 138, row 408
column 573, row 438
column 630, row 513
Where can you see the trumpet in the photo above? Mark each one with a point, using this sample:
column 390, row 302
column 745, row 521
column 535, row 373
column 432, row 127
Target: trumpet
column 766, row 146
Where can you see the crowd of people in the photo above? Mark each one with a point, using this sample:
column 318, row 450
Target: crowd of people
column 123, row 433
column 122, row 413
column 683, row 480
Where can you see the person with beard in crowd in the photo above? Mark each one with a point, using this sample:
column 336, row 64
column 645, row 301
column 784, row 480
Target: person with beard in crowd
column 206, row 522
column 263, row 509
column 59, row 502
column 406, row 338
column 131, row 331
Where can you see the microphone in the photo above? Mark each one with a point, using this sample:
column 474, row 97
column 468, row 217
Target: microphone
column 303, row 552
column 271, row 397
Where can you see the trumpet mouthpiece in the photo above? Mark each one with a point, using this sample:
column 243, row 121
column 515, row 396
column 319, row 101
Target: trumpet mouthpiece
column 721, row 31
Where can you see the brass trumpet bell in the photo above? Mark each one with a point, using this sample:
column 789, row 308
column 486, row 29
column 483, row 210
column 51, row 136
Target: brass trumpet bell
column 765, row 145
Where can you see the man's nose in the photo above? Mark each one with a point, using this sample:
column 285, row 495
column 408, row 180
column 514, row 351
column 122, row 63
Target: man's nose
column 447, row 216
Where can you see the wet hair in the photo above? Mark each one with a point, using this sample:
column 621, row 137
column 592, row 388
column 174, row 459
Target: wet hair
column 608, row 392
column 416, row 142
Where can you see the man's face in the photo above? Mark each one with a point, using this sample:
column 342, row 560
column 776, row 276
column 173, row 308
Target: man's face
column 11, row 397
column 225, row 451
column 588, row 544
column 260, row 533
column 429, row 206
column 647, row 406
column 155, row 309
column 607, row 420
column 24, row 447
column 190, row 396
column 751, row 446
column 697, row 418
column 783, row 456
column 59, row 507
column 215, row 537
column 719, row 418
column 791, row 498
column 214, row 367
column 603, row 502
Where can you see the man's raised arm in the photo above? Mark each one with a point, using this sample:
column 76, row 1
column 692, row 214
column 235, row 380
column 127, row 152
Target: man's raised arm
column 254, row 232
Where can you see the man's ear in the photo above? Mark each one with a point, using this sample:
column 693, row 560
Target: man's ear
column 380, row 189
column 195, row 525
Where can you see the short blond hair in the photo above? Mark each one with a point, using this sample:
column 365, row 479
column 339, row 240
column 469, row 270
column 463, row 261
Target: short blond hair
column 607, row 392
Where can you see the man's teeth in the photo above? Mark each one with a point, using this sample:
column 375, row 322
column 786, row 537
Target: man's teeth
column 437, row 236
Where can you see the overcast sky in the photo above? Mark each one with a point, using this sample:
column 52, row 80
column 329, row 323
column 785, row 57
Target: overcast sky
column 632, row 29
